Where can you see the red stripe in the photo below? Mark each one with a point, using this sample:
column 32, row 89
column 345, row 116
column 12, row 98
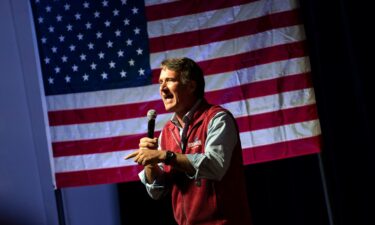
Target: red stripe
column 100, row 176
column 180, row 8
column 225, row 32
column 282, row 150
column 248, row 123
column 130, row 173
column 111, row 113
column 248, row 59
column 101, row 114
column 100, row 145
column 257, row 89
column 277, row 118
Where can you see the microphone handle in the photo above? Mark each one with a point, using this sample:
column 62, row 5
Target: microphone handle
column 151, row 128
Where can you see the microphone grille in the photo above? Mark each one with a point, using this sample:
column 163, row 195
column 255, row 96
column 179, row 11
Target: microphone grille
column 151, row 114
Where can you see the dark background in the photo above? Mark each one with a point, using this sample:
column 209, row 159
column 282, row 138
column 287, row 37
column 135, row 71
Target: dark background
column 334, row 187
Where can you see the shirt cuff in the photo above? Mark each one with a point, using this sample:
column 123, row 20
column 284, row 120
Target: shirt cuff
column 156, row 189
column 155, row 184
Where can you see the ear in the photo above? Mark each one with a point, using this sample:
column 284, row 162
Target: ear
column 192, row 86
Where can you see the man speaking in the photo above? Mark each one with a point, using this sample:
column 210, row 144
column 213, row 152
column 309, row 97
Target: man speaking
column 198, row 156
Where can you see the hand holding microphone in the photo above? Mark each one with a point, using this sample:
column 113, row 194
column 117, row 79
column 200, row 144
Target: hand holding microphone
column 146, row 153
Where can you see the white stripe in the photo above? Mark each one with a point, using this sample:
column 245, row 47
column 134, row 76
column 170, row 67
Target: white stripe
column 271, row 103
column 103, row 98
column 233, row 46
column 257, row 73
column 115, row 128
column 92, row 161
column 248, row 139
column 280, row 134
column 157, row 2
column 105, row 129
column 151, row 92
column 220, row 17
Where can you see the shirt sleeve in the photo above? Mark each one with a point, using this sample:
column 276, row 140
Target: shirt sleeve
column 157, row 189
column 220, row 142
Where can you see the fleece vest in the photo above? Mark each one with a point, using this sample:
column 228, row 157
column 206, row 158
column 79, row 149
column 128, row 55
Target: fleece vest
column 206, row 201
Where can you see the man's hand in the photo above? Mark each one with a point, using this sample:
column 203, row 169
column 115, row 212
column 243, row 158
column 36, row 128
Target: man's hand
column 147, row 153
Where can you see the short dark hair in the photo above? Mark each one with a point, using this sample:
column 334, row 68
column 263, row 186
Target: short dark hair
column 187, row 70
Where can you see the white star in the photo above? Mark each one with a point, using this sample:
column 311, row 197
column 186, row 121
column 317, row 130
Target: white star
column 54, row 49
column 96, row 14
column 57, row 69
column 72, row 48
column 123, row 2
column 61, row 38
column 129, row 42
column 77, row 16
column 58, row 18
column 44, row 40
column 105, row 3
column 107, row 23
column 67, row 79
column 120, row 53
column 131, row 62
column 88, row 25
column 80, row 36
column 66, row 7
column 115, row 12
column 99, row 35
column 51, row 29
column 137, row 30
column 50, row 80
column 139, row 51
column 46, row 60
column 141, row 72
column 93, row 66
column 40, row 19
column 48, row 8
column 64, row 58
column 135, row 10
column 118, row 33
column 104, row 75
column 75, row 68
column 91, row 45
column 109, row 44
column 86, row 5
column 83, row 57
column 101, row 55
column 69, row 27
column 126, row 22
column 85, row 77
column 123, row 73
column 112, row 64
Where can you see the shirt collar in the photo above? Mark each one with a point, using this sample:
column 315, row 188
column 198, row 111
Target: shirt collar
column 187, row 117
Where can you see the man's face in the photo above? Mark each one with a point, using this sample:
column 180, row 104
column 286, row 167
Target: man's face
column 176, row 96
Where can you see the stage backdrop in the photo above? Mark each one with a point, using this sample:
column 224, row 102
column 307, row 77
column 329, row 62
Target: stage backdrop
column 100, row 65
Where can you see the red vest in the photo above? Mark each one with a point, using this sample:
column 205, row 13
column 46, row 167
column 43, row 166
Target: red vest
column 208, row 202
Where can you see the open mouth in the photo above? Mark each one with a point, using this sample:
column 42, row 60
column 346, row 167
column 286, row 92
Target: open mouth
column 168, row 96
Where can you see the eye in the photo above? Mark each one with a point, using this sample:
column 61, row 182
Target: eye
column 170, row 80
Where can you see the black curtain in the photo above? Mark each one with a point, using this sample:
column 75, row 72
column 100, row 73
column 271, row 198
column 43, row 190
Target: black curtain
column 339, row 39
column 292, row 191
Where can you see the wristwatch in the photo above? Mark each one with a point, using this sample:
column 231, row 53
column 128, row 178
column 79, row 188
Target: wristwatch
column 169, row 157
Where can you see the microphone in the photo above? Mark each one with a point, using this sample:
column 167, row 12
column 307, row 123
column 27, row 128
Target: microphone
column 151, row 115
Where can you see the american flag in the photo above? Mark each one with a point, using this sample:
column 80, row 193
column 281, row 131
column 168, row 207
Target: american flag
column 100, row 65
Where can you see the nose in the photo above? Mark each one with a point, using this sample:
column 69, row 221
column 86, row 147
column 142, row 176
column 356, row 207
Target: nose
column 163, row 86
